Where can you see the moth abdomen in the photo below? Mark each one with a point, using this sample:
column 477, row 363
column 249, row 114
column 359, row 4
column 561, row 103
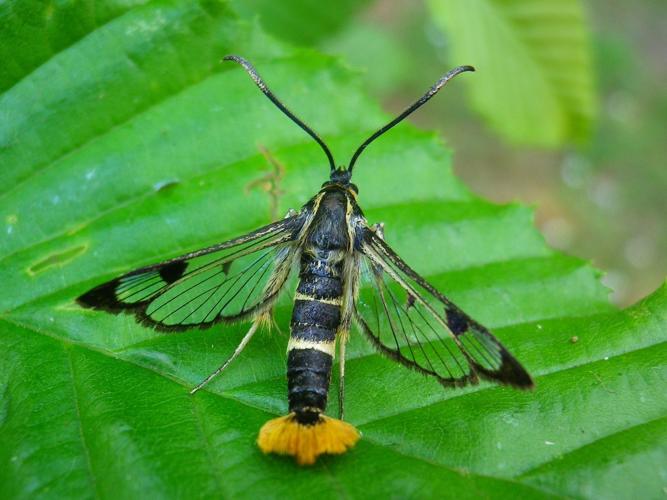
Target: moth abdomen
column 310, row 356
column 319, row 287
column 313, row 333
column 315, row 312
column 306, row 432
column 308, row 377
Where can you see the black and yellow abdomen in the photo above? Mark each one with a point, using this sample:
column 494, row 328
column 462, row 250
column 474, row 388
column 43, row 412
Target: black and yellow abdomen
column 315, row 321
column 316, row 317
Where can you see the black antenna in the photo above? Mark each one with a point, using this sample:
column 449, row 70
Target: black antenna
column 422, row 100
column 262, row 86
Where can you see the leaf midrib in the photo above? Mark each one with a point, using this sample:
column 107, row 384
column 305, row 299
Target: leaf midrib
column 86, row 452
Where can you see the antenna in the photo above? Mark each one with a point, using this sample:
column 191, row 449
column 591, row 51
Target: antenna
column 421, row 101
column 262, row 86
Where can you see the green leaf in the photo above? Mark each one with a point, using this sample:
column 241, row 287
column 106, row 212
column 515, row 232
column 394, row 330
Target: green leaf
column 32, row 32
column 153, row 150
column 535, row 76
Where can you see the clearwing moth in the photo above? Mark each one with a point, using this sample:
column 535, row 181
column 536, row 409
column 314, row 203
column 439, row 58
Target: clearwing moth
column 346, row 273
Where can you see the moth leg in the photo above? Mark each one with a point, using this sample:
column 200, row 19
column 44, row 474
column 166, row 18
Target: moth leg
column 341, row 377
column 239, row 349
column 351, row 273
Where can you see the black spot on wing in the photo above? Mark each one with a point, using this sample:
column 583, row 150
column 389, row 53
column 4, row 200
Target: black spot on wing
column 457, row 321
column 173, row 271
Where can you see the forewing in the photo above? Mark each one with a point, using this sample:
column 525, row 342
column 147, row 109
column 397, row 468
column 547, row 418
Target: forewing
column 225, row 282
column 411, row 322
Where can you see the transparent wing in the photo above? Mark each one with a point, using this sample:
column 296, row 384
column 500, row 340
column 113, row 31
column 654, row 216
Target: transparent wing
column 226, row 282
column 414, row 324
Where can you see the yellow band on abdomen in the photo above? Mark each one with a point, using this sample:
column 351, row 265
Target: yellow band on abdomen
column 323, row 346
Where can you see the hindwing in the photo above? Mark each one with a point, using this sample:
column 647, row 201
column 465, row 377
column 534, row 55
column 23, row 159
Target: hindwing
column 410, row 321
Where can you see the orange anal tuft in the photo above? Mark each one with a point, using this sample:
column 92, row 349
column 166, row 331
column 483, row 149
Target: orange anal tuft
column 286, row 436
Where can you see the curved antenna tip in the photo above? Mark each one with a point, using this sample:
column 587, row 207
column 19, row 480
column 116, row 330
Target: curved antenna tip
column 409, row 110
column 240, row 60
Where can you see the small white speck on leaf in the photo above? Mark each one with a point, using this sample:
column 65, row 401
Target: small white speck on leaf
column 165, row 184
column 11, row 220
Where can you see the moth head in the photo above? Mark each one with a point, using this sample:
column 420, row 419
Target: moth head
column 340, row 178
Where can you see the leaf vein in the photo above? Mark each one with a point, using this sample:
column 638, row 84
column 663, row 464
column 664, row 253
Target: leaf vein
column 79, row 419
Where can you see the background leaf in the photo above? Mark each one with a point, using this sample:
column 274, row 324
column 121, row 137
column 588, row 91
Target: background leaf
column 303, row 22
column 535, row 80
column 153, row 150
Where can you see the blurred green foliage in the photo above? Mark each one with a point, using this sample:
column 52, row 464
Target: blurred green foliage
column 599, row 191
column 302, row 22
column 535, row 82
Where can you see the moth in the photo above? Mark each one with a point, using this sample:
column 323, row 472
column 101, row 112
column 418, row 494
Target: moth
column 347, row 273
